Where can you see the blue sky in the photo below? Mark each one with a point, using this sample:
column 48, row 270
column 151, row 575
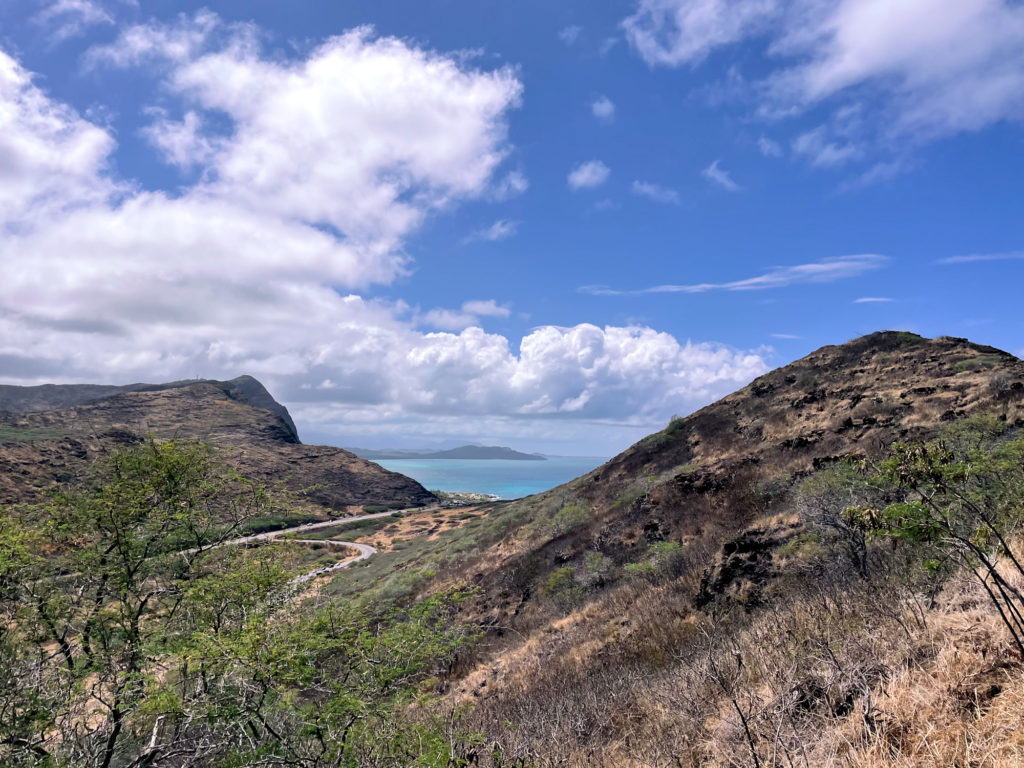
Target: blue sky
column 545, row 225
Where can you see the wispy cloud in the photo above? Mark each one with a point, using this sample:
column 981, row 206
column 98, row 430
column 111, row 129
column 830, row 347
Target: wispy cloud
column 570, row 34
column 603, row 108
column 768, row 147
column 70, row 18
column 873, row 300
column 656, row 192
column 720, row 176
column 972, row 257
column 784, row 336
column 935, row 67
column 466, row 317
column 512, row 184
column 499, row 230
column 824, row 271
column 592, row 173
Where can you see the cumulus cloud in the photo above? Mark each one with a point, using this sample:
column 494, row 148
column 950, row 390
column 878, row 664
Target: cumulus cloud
column 721, row 177
column 603, row 108
column 433, row 133
column 592, row 173
column 183, row 142
column 250, row 268
column 656, row 192
column 178, row 41
column 52, row 158
column 824, row 271
column 937, row 67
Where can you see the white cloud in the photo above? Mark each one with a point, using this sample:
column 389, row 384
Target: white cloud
column 872, row 300
column 182, row 142
column 570, row 34
column 513, row 184
column 499, row 230
column 243, row 271
column 70, row 18
column 432, row 133
column 177, row 42
column 936, row 67
column 720, row 176
column 674, row 32
column 656, row 192
column 468, row 316
column 592, row 173
column 603, row 108
column 974, row 257
column 488, row 308
column 822, row 152
column 768, row 147
column 52, row 159
column 824, row 271
column 785, row 336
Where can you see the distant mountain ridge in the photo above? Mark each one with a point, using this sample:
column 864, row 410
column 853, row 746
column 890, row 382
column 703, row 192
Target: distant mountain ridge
column 49, row 435
column 481, row 452
column 50, row 397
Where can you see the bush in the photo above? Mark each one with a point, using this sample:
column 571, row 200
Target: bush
column 597, row 569
column 562, row 586
column 568, row 517
column 664, row 559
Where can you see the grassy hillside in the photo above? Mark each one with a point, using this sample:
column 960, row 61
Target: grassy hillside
column 825, row 568
column 699, row 599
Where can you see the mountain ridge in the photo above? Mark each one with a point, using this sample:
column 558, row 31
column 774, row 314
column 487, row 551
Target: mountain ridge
column 599, row 586
column 42, row 448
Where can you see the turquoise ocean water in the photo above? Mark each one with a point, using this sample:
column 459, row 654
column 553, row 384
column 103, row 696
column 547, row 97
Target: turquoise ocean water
column 502, row 477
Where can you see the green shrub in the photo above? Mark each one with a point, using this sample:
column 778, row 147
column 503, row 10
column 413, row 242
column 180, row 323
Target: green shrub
column 643, row 569
column 597, row 569
column 663, row 559
column 562, row 586
column 568, row 517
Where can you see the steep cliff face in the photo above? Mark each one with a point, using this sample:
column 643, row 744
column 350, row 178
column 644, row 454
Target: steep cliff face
column 51, row 433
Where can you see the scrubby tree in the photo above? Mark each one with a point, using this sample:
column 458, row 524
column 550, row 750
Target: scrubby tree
column 965, row 507
column 131, row 638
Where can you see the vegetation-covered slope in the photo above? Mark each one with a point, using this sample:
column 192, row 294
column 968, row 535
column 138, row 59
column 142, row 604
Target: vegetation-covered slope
column 700, row 599
column 824, row 569
column 42, row 446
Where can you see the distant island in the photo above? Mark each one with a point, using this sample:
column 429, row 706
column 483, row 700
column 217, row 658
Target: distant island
column 462, row 452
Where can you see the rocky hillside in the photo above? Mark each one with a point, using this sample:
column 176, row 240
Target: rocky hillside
column 50, row 433
column 854, row 398
column 649, row 613
column 702, row 479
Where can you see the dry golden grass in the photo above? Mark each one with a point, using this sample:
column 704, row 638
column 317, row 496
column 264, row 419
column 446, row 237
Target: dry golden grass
column 960, row 704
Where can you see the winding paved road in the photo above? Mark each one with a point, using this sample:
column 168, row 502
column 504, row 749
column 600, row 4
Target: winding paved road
column 364, row 550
